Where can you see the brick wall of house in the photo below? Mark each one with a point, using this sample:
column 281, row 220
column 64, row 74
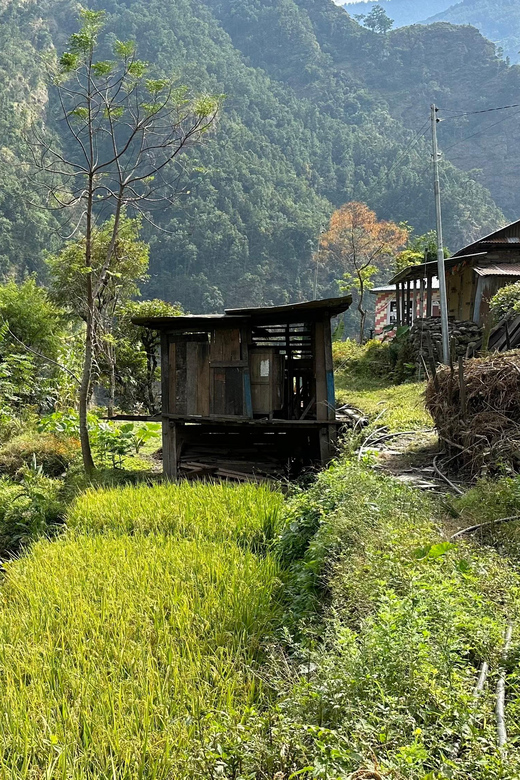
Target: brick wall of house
column 383, row 301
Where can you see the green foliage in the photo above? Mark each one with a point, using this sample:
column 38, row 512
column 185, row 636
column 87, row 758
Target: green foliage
column 498, row 20
column 111, row 442
column 258, row 192
column 31, row 316
column 52, row 454
column 33, row 339
column 377, row 20
column 127, row 269
column 390, row 361
column 506, row 302
column 28, row 509
column 419, row 249
column 385, row 680
column 138, row 369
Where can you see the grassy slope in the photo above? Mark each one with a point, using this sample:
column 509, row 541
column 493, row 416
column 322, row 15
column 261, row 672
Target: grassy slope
column 409, row 621
column 362, row 380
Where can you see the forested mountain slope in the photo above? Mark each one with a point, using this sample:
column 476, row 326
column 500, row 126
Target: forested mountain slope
column 318, row 111
column 498, row 20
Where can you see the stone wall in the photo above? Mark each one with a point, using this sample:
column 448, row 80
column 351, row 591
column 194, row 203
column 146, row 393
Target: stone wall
column 426, row 338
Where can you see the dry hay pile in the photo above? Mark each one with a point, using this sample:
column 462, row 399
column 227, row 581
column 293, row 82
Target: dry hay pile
column 481, row 425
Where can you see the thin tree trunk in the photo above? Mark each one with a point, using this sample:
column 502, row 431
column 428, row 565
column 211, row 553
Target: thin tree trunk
column 84, row 391
column 86, row 373
column 112, row 396
column 362, row 313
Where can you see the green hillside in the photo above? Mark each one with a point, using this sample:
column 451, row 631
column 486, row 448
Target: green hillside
column 498, row 20
column 317, row 112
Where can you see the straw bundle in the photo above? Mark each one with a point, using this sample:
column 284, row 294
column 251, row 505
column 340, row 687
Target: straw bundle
column 477, row 411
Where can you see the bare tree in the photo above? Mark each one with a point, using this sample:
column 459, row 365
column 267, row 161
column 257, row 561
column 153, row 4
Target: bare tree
column 123, row 130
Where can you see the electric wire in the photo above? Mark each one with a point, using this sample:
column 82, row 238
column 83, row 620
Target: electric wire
column 482, row 111
column 480, row 132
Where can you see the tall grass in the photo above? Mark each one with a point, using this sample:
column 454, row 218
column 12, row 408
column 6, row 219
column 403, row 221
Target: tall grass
column 128, row 643
column 246, row 513
column 117, row 652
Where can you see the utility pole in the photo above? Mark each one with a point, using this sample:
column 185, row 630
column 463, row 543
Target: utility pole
column 440, row 244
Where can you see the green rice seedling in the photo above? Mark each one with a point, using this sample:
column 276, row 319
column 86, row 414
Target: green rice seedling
column 118, row 652
column 249, row 514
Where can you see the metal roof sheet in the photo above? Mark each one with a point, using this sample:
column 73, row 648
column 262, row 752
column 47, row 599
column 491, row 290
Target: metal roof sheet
column 506, row 269
column 429, row 268
column 289, row 313
column 333, row 305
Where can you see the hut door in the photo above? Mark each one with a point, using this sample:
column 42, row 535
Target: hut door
column 227, row 374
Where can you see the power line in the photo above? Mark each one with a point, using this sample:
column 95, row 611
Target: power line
column 482, row 111
column 480, row 132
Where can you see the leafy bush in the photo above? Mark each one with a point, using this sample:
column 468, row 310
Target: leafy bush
column 375, row 360
column 51, row 453
column 28, row 510
column 111, row 442
column 506, row 302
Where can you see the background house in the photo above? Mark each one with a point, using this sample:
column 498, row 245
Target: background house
column 473, row 275
column 386, row 308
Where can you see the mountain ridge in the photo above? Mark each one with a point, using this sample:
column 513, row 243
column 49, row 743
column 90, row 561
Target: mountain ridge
column 319, row 111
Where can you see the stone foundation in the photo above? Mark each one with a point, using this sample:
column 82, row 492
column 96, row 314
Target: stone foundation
column 426, row 338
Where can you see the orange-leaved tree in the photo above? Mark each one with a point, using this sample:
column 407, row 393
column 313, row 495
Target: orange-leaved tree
column 357, row 245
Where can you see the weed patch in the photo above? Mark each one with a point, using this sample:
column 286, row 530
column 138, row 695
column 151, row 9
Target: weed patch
column 385, row 678
column 38, row 450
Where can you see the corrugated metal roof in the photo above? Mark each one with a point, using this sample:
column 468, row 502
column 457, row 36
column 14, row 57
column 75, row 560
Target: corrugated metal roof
column 428, row 269
column 509, row 269
column 510, row 240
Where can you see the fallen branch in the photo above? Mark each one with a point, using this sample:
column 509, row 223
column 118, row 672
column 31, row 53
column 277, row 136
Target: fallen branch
column 501, row 693
column 473, row 528
column 479, row 687
column 445, row 478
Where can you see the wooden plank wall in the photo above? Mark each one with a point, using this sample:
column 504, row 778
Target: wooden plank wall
column 227, row 374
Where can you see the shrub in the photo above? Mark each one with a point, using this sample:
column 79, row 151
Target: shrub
column 379, row 360
column 384, row 679
column 506, row 302
column 28, row 510
column 51, row 453
column 111, row 442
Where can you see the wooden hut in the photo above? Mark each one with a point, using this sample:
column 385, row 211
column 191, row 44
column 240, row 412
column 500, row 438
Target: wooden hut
column 249, row 392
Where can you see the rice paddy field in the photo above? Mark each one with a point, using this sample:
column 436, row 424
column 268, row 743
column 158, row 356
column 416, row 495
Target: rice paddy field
column 126, row 643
